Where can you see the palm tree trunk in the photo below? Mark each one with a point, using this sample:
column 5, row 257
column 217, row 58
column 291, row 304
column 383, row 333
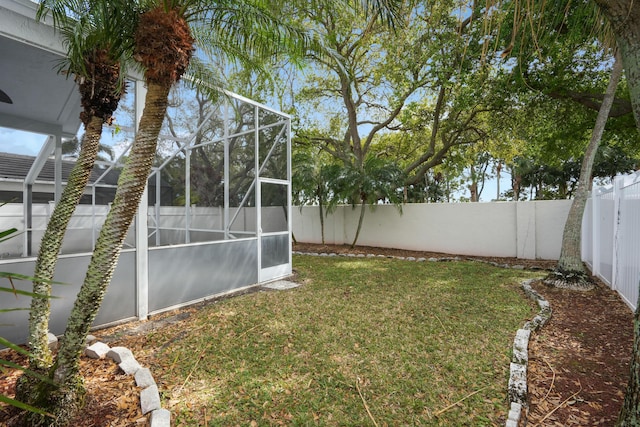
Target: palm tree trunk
column 131, row 184
column 363, row 208
column 40, row 358
column 570, row 272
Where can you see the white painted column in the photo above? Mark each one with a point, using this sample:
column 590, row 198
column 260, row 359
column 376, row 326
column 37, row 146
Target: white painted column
column 289, row 195
column 187, row 196
column 258, row 191
column 58, row 169
column 142, row 244
column 618, row 184
column 526, row 230
column 226, row 174
column 595, row 230
column 46, row 150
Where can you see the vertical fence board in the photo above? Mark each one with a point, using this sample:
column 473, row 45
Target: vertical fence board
column 611, row 236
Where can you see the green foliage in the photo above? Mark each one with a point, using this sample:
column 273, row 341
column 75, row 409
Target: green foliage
column 318, row 180
column 377, row 181
column 558, row 180
column 5, row 235
column 542, row 97
column 560, row 55
column 89, row 26
column 557, row 131
column 524, row 81
column 313, row 176
column 413, row 96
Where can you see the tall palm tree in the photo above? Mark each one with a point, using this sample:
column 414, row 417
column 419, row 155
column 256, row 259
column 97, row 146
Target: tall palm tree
column 376, row 180
column 95, row 59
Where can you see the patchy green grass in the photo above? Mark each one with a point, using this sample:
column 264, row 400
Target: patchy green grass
column 362, row 342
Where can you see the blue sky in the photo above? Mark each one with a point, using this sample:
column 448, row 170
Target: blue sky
column 18, row 142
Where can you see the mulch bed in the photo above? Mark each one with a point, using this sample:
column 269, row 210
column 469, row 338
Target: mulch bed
column 578, row 367
column 579, row 361
column 112, row 399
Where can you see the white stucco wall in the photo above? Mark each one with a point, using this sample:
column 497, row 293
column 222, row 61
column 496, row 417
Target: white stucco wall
column 527, row 230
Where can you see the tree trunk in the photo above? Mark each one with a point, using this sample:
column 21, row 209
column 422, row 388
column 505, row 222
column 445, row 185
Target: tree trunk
column 64, row 401
column 630, row 412
column 363, row 208
column 40, row 358
column 498, row 170
column 624, row 15
column 473, row 187
column 321, row 211
column 516, row 180
column 570, row 272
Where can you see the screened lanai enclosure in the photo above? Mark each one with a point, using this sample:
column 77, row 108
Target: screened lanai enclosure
column 215, row 218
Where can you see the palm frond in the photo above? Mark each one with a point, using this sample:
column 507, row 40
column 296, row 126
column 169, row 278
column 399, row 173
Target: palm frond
column 387, row 10
column 86, row 26
column 202, row 76
column 249, row 29
column 23, row 406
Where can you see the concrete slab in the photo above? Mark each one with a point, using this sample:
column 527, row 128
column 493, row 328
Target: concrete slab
column 281, row 285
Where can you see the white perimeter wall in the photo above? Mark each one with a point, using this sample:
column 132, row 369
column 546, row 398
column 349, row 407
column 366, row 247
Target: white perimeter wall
column 530, row 230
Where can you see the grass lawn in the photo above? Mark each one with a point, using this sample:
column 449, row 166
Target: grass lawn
column 364, row 341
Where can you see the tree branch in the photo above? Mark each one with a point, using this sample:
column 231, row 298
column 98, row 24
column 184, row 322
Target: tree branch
column 593, row 101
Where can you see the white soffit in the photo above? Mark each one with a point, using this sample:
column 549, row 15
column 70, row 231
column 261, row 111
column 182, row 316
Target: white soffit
column 43, row 101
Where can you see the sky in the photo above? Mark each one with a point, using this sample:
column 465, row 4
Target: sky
column 19, row 142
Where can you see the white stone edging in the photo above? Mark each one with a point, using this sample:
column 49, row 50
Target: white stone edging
column 421, row 259
column 149, row 395
column 520, row 359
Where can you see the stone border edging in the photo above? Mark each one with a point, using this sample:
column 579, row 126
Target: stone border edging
column 517, row 388
column 149, row 395
column 520, row 360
